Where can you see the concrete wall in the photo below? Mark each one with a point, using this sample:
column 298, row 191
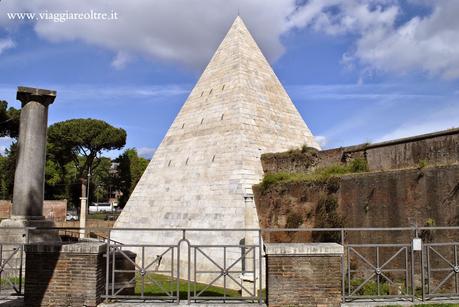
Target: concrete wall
column 55, row 210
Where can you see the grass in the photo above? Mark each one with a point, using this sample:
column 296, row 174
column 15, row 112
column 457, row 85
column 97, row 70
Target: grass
column 319, row 175
column 170, row 285
column 104, row 216
column 303, row 151
column 7, row 281
column 370, row 288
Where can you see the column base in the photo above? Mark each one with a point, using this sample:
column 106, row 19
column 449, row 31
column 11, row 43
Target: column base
column 14, row 230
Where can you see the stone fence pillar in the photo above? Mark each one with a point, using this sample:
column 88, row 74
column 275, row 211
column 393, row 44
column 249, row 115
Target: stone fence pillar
column 302, row 274
column 65, row 275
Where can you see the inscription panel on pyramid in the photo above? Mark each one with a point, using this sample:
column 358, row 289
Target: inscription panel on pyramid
column 210, row 157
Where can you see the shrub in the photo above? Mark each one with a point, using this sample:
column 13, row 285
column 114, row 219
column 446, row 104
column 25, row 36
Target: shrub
column 327, row 216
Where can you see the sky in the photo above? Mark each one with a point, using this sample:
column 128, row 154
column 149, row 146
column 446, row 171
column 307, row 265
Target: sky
column 357, row 70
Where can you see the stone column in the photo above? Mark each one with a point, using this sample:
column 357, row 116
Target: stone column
column 83, row 209
column 29, row 178
column 30, row 168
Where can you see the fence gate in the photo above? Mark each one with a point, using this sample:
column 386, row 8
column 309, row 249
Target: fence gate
column 11, row 269
column 441, row 274
column 378, row 271
column 185, row 271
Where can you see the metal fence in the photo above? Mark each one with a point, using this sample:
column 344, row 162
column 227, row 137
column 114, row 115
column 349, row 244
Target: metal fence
column 384, row 264
column 11, row 269
column 377, row 264
column 186, row 269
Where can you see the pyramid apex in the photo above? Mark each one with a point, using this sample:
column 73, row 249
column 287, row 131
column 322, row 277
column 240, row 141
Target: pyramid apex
column 238, row 21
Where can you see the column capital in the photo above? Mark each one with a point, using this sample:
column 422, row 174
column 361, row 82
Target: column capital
column 27, row 94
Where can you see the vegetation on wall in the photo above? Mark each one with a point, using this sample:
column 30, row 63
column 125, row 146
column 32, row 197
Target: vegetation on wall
column 327, row 216
column 327, row 174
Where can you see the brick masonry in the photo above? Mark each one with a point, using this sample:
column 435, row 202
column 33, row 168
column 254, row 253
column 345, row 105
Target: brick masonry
column 66, row 275
column 55, row 210
column 303, row 274
column 439, row 148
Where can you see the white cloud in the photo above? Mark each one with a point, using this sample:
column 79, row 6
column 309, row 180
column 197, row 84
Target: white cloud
column 121, row 60
column 188, row 31
column 146, row 152
column 322, row 140
column 185, row 31
column 427, row 43
column 5, row 44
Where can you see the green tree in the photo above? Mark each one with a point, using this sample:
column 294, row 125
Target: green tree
column 7, row 169
column 128, row 172
column 9, row 120
column 102, row 180
column 88, row 138
column 75, row 147
column 9, row 127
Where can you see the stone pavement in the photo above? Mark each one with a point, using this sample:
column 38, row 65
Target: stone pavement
column 208, row 304
column 11, row 301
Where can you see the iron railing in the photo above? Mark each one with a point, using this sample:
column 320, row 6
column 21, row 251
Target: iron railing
column 386, row 262
column 187, row 270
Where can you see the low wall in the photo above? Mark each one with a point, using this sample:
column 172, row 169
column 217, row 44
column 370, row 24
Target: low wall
column 55, row 210
column 303, row 274
column 440, row 148
column 5, row 209
column 67, row 275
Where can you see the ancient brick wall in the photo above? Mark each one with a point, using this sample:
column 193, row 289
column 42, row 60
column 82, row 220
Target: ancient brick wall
column 441, row 148
column 381, row 199
column 55, row 210
column 295, row 278
column 65, row 276
column 5, row 209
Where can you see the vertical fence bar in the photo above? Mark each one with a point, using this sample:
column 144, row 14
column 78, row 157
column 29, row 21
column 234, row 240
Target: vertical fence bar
column 1, row 262
column 113, row 270
column 343, row 271
column 378, row 274
column 20, row 268
column 172, row 272
column 424, row 249
column 189, row 271
column 254, row 265
column 407, row 268
column 349, row 270
column 224, row 273
column 107, row 266
column 178, row 273
column 260, row 275
column 455, row 264
column 143, row 271
column 413, row 290
column 195, row 261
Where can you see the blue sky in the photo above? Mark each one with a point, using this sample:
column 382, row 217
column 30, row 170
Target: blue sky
column 357, row 70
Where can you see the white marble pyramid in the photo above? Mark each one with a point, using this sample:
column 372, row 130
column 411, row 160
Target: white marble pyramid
column 202, row 173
